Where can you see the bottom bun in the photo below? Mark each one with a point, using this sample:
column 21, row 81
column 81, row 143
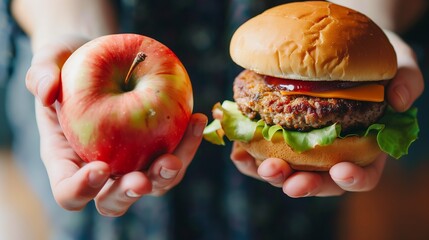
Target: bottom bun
column 359, row 150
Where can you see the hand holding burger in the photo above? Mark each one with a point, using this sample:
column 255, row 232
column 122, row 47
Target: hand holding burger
column 313, row 91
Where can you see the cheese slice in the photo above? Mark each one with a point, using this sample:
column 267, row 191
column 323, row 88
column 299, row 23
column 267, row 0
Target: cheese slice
column 369, row 93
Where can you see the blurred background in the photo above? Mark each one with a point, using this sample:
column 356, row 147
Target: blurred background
column 397, row 209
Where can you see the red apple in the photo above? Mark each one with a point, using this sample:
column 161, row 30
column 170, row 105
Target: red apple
column 125, row 99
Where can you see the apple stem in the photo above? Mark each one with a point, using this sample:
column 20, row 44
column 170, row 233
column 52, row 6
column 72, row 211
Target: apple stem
column 140, row 57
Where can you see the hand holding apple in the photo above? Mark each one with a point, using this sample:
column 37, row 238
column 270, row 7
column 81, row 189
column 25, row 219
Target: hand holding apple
column 125, row 99
column 74, row 182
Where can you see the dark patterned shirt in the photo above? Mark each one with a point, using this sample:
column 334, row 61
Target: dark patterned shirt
column 214, row 200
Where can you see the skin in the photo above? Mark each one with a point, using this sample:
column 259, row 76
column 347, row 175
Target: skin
column 394, row 15
column 75, row 183
column 402, row 91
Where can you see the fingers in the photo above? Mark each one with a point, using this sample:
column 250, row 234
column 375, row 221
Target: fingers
column 406, row 87
column 73, row 183
column 244, row 162
column 356, row 179
column 306, row 184
column 342, row 177
column 163, row 173
column 187, row 148
column 43, row 76
column 275, row 171
column 408, row 83
column 74, row 190
column 168, row 170
column 43, row 81
column 296, row 184
column 118, row 195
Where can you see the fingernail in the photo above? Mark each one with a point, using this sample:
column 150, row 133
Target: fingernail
column 97, row 178
column 168, row 173
column 307, row 194
column 304, row 194
column 345, row 182
column 131, row 194
column 198, row 128
column 403, row 95
column 276, row 179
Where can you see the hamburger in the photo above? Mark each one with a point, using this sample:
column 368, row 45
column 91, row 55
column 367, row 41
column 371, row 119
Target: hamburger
column 312, row 89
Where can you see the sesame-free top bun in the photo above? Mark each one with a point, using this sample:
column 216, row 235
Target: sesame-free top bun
column 314, row 41
column 361, row 151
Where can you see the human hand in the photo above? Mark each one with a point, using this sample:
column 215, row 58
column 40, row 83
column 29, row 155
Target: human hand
column 402, row 91
column 74, row 183
column 341, row 177
column 408, row 83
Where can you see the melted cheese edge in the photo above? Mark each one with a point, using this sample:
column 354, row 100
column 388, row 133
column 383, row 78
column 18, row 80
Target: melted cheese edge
column 369, row 93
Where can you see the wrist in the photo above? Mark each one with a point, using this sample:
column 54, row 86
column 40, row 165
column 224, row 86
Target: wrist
column 405, row 53
column 44, row 20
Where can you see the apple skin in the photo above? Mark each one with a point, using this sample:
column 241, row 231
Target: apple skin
column 126, row 126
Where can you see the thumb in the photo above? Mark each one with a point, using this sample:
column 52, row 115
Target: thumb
column 44, row 75
column 43, row 81
column 408, row 83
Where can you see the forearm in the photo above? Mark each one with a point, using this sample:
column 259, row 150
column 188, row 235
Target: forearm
column 394, row 15
column 43, row 20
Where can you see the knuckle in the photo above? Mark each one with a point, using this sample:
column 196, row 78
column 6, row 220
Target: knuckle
column 70, row 205
column 110, row 212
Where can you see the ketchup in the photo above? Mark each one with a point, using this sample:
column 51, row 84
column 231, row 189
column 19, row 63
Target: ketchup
column 283, row 84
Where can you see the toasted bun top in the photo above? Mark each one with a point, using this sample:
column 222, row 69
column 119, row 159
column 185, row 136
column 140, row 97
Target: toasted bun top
column 314, row 41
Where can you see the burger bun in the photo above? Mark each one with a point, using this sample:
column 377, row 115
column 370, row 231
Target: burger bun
column 361, row 151
column 314, row 41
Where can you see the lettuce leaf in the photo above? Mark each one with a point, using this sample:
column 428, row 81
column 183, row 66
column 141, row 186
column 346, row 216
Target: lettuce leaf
column 394, row 131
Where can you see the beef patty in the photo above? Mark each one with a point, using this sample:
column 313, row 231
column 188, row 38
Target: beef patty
column 257, row 100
